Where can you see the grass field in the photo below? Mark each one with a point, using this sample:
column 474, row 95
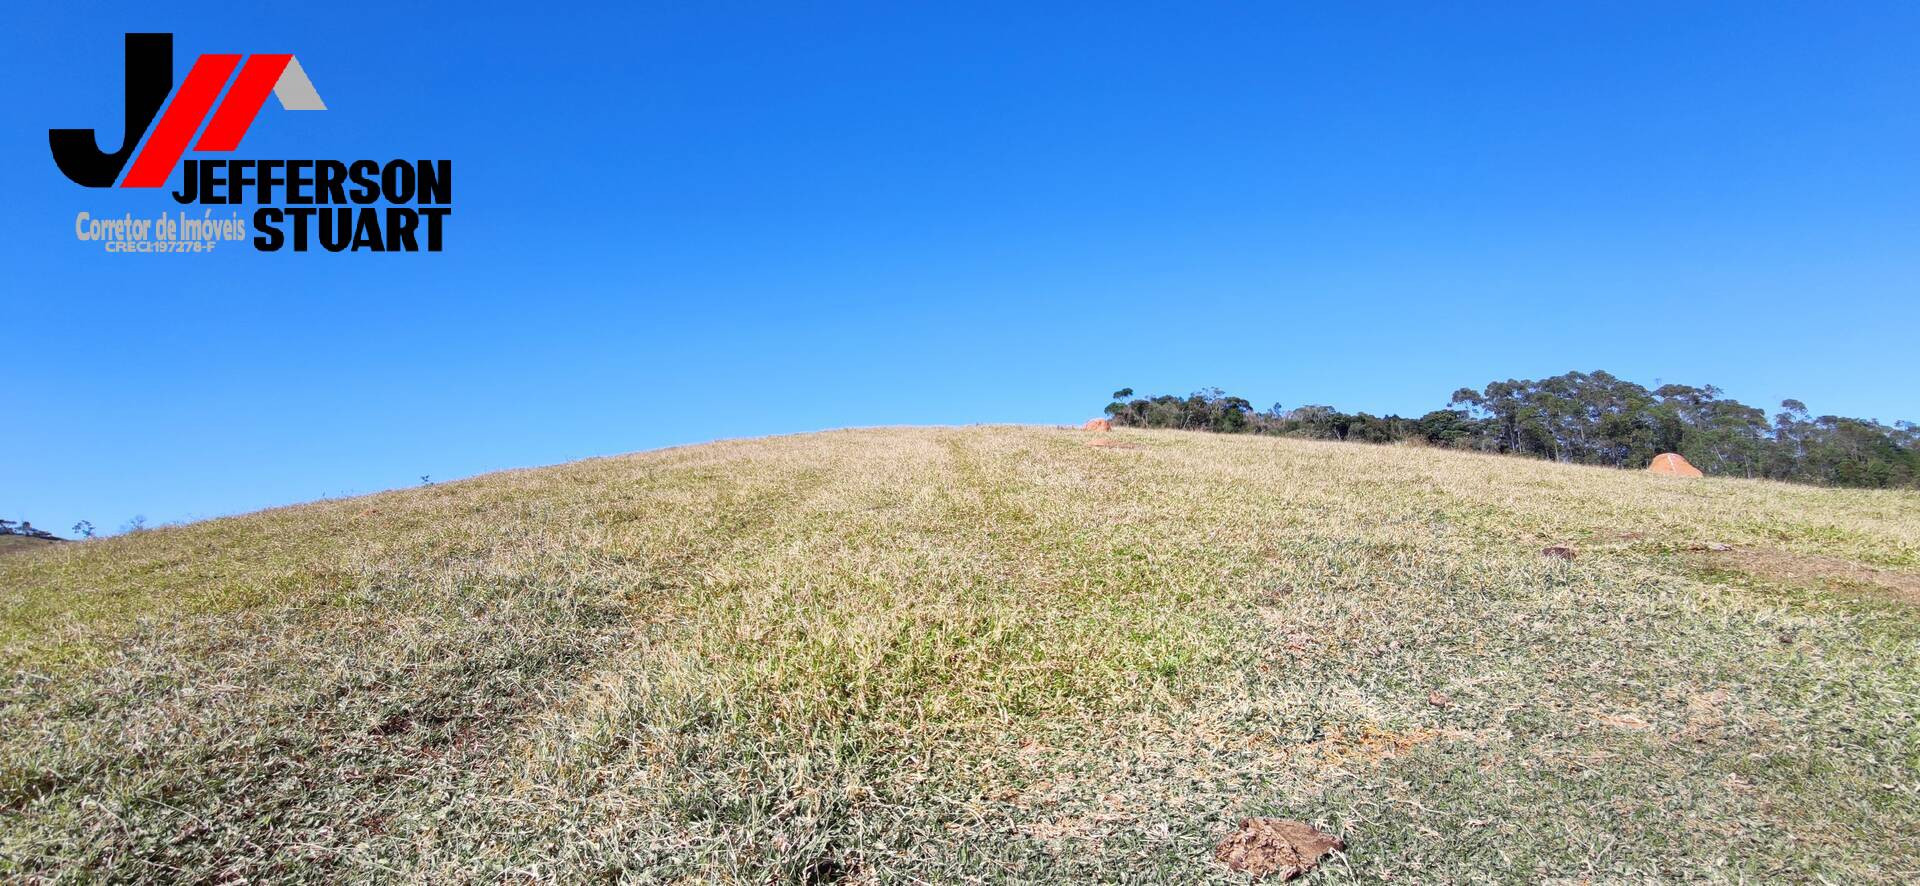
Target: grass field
column 980, row 654
column 16, row 543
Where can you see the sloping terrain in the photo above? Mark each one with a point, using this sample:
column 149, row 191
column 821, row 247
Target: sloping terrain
column 16, row 543
column 980, row 654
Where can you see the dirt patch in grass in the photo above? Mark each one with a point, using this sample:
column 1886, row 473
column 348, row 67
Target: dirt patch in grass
column 1818, row 571
column 1276, row 846
column 1366, row 745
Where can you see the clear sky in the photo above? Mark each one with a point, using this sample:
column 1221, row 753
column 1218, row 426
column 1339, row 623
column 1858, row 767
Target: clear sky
column 680, row 222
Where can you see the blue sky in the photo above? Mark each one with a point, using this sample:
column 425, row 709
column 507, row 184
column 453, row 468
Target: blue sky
column 680, row 222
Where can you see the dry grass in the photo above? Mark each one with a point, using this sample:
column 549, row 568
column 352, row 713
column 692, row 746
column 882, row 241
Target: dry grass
column 983, row 654
column 11, row 544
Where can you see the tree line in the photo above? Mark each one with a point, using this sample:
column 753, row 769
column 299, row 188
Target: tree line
column 26, row 528
column 1591, row 418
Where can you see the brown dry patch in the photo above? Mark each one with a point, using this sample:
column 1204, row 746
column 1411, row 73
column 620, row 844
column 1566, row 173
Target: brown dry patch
column 1706, row 715
column 1368, row 745
column 1629, row 722
column 1276, row 846
column 1815, row 570
column 1109, row 443
column 1073, row 827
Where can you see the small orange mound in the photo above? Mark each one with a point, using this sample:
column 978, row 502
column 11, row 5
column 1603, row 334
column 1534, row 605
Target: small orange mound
column 1673, row 465
column 1098, row 424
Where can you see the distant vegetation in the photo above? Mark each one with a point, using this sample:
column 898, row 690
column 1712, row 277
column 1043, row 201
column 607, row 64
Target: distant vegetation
column 26, row 529
column 1584, row 418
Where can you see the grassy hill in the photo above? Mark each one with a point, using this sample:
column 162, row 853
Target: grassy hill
column 979, row 654
column 15, row 543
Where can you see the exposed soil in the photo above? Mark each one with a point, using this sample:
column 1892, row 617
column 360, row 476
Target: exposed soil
column 1672, row 464
column 1277, row 846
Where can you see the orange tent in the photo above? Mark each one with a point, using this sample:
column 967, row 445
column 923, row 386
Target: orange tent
column 1673, row 464
column 1098, row 424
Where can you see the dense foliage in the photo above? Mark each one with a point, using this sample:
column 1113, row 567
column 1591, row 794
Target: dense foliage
column 1584, row 418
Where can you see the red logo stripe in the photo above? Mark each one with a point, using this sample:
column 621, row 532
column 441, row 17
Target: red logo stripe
column 243, row 101
column 170, row 136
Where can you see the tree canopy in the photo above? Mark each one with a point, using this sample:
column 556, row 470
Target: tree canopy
column 26, row 528
column 1591, row 418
